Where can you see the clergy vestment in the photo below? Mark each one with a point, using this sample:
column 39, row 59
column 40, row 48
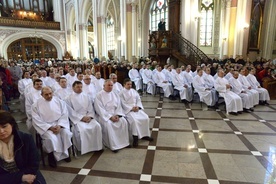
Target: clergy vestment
column 138, row 121
column 87, row 137
column 117, row 87
column 246, row 85
column 186, row 93
column 90, row 90
column 207, row 96
column 188, row 77
column 147, row 79
column 50, row 81
column 22, row 83
column 247, row 98
column 98, row 83
column 70, row 80
column 232, row 101
column 167, row 87
column 264, row 95
column 62, row 93
column 136, row 78
column 115, row 134
column 31, row 97
column 46, row 114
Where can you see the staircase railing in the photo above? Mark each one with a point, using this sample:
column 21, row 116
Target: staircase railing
column 188, row 49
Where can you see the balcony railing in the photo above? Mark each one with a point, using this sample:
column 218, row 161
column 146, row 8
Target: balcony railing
column 11, row 22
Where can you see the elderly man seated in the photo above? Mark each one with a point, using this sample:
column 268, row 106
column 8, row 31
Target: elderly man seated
column 108, row 107
column 50, row 120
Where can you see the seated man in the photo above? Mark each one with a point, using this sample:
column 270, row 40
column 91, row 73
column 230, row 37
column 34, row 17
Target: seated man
column 163, row 83
column 237, row 87
column 64, row 90
column 242, row 78
column 87, row 132
column 180, row 83
column 135, row 77
column 232, row 101
column 110, row 115
column 206, row 93
column 117, row 87
column 263, row 93
column 50, row 120
column 31, row 98
column 99, row 82
column 148, row 80
column 138, row 120
column 89, row 87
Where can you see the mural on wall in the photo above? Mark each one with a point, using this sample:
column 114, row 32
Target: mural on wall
column 256, row 22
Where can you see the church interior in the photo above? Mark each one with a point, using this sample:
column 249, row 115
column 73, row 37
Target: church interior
column 193, row 143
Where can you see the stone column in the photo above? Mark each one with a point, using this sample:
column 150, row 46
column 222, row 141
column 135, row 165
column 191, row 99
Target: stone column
column 95, row 27
column 134, row 30
column 104, row 45
column 123, row 28
column 83, row 41
column 269, row 30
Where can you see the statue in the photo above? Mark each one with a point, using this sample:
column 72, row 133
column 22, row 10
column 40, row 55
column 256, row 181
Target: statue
column 164, row 42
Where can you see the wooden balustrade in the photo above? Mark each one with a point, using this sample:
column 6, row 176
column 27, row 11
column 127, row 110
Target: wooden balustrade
column 6, row 21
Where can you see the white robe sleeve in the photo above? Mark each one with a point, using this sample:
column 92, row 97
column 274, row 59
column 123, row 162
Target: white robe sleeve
column 221, row 88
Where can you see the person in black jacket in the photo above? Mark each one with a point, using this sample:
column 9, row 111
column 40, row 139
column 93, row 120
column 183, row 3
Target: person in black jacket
column 19, row 160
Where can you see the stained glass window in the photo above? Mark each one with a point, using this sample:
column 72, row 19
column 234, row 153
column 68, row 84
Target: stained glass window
column 158, row 11
column 206, row 22
column 110, row 33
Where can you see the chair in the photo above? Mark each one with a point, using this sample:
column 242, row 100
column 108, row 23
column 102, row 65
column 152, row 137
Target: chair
column 158, row 89
column 39, row 146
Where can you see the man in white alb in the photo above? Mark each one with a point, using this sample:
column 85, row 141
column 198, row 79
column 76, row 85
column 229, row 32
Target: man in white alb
column 31, row 98
column 233, row 101
column 22, row 84
column 180, row 83
column 64, row 90
column 206, row 94
column 138, row 120
column 117, row 87
column 99, row 82
column 110, row 115
column 242, row 78
column 163, row 83
column 135, row 77
column 50, row 119
column 88, row 87
column 148, row 80
column 87, row 132
column 237, row 87
column 263, row 93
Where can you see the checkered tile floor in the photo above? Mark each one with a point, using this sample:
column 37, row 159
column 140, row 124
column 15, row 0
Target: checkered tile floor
column 191, row 145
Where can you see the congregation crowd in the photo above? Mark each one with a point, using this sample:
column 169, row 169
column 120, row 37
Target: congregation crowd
column 66, row 102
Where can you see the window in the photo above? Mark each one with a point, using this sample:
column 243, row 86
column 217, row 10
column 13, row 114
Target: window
column 206, row 23
column 159, row 10
column 27, row 48
column 110, row 33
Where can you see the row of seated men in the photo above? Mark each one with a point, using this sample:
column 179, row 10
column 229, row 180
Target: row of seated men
column 240, row 92
column 106, row 118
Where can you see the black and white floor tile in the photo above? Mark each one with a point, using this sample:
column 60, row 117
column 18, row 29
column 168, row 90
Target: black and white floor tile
column 191, row 145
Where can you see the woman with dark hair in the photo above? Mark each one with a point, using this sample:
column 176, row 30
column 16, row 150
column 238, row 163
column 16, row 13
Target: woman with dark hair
column 19, row 161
